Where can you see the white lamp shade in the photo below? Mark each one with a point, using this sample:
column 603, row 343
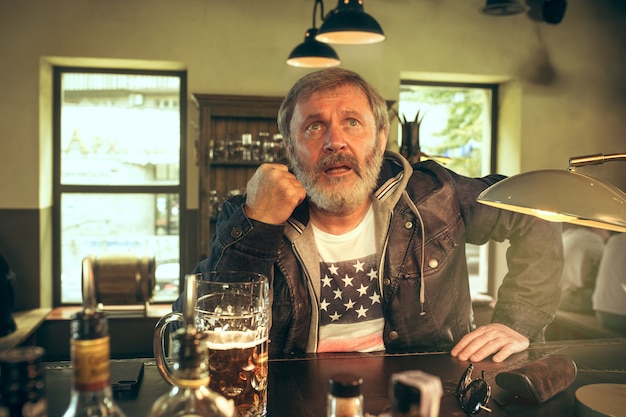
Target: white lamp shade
column 562, row 196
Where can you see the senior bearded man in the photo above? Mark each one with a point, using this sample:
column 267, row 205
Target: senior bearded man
column 365, row 251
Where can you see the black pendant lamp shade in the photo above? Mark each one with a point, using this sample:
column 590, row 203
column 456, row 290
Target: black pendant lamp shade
column 349, row 24
column 313, row 54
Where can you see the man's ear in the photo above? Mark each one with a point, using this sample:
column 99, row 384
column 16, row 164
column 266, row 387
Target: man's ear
column 383, row 136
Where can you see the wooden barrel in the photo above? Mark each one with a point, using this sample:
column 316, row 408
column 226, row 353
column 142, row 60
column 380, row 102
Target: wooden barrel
column 123, row 279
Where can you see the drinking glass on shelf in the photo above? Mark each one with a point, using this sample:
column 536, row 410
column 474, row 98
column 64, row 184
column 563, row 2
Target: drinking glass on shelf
column 236, row 150
column 246, row 142
column 219, row 152
column 215, row 204
column 273, row 150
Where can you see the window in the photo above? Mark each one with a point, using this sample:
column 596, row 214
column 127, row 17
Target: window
column 456, row 130
column 119, row 173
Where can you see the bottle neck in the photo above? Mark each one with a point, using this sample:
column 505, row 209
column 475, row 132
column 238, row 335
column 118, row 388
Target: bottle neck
column 191, row 356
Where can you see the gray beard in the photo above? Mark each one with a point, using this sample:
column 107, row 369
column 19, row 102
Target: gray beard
column 332, row 195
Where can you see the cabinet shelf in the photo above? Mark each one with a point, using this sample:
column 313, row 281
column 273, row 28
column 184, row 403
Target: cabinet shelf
column 222, row 117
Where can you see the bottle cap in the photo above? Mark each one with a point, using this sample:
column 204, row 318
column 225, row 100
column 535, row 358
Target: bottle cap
column 345, row 385
column 89, row 325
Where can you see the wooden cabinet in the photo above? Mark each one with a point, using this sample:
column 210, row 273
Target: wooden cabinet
column 225, row 118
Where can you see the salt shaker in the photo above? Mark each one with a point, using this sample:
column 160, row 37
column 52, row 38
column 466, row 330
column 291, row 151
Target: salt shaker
column 344, row 396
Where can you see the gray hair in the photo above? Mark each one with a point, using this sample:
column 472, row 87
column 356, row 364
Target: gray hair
column 326, row 80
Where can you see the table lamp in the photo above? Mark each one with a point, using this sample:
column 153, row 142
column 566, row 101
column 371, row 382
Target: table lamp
column 563, row 196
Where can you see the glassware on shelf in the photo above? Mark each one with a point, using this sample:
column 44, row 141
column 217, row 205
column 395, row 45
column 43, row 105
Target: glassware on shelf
column 273, row 150
column 219, row 151
column 236, row 150
column 215, row 204
column 246, row 142
column 258, row 152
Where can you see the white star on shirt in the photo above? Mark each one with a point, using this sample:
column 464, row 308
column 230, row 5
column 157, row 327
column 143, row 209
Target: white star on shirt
column 361, row 312
column 326, row 280
column 335, row 316
column 347, row 281
column 324, row 304
column 358, row 266
column 349, row 304
column 333, row 269
column 338, row 294
column 372, row 274
column 375, row 298
column 362, row 290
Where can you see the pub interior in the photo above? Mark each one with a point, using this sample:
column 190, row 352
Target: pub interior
column 562, row 93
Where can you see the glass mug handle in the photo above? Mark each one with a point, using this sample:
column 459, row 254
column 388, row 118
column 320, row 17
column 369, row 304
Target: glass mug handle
column 158, row 345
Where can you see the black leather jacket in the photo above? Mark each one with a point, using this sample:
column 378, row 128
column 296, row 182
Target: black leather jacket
column 432, row 313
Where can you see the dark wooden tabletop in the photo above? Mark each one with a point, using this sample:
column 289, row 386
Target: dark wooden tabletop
column 298, row 386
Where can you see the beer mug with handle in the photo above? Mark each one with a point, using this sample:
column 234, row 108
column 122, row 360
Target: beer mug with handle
column 233, row 309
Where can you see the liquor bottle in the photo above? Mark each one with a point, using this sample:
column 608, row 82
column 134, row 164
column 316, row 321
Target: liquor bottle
column 22, row 384
column 90, row 352
column 190, row 395
column 344, row 396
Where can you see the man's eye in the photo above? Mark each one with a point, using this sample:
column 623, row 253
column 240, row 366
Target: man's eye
column 353, row 122
column 314, row 127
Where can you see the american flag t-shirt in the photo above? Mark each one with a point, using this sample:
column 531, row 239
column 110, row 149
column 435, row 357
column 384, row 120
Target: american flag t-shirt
column 351, row 315
column 350, row 309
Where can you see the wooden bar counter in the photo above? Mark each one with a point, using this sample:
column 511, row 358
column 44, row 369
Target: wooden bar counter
column 298, row 385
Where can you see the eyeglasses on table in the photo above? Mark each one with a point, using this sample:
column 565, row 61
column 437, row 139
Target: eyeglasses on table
column 473, row 395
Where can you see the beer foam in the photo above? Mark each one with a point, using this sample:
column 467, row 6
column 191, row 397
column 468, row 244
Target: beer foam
column 221, row 340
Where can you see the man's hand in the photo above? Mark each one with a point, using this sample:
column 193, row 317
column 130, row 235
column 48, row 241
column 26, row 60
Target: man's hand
column 486, row 340
column 272, row 194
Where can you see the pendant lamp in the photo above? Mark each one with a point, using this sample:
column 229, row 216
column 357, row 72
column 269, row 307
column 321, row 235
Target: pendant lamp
column 349, row 24
column 563, row 196
column 312, row 53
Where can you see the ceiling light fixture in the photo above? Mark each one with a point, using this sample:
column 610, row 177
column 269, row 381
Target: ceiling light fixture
column 504, row 7
column 563, row 196
column 349, row 24
column 312, row 53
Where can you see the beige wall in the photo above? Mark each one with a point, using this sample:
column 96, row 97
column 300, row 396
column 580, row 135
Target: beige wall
column 240, row 47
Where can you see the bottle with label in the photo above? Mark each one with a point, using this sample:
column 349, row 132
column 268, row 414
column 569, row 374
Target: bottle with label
column 90, row 352
column 189, row 395
column 344, row 396
column 22, row 384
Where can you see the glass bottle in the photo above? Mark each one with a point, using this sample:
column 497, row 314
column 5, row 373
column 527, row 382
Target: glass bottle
column 22, row 384
column 344, row 396
column 91, row 379
column 190, row 396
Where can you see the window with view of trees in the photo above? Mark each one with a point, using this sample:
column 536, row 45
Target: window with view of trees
column 455, row 129
column 119, row 177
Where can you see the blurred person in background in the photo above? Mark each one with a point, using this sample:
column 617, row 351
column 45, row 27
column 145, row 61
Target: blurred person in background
column 582, row 251
column 609, row 296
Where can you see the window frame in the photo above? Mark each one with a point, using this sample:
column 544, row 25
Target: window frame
column 486, row 252
column 58, row 189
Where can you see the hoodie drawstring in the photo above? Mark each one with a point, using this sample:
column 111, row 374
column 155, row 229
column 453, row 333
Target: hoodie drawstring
column 413, row 208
